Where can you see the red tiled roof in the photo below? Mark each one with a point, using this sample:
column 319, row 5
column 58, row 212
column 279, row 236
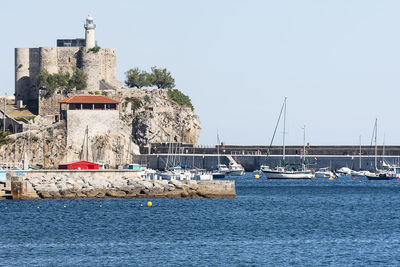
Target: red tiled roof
column 91, row 99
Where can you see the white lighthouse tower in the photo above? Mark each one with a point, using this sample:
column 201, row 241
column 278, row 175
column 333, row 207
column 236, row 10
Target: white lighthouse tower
column 89, row 32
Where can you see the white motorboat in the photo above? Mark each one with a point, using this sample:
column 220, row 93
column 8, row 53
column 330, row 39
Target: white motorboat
column 235, row 169
column 324, row 173
column 344, row 171
column 176, row 173
column 202, row 175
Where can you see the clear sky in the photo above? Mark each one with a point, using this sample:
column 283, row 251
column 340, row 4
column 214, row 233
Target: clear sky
column 338, row 62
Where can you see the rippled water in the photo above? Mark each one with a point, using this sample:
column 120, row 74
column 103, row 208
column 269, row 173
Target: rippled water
column 317, row 222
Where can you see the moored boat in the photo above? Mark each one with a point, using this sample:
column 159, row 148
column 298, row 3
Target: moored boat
column 235, row 169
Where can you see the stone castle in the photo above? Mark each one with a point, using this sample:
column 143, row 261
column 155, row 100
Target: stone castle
column 98, row 64
column 105, row 122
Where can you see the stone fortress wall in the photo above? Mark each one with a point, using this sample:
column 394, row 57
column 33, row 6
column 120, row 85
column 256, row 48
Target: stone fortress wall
column 99, row 66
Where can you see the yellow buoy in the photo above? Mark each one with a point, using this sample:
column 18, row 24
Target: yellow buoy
column 256, row 176
column 330, row 178
column 149, row 204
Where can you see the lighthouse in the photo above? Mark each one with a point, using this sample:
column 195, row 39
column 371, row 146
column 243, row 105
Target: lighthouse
column 89, row 32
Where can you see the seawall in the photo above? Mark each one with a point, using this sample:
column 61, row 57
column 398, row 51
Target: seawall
column 112, row 183
column 253, row 162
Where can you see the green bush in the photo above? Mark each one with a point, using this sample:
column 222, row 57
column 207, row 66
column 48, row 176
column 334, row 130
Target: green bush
column 94, row 49
column 4, row 139
column 62, row 80
column 161, row 78
column 180, row 98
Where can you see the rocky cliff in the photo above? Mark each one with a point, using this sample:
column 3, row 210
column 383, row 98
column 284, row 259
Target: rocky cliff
column 155, row 118
column 146, row 115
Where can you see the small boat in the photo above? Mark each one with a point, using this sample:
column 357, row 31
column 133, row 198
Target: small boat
column 324, row 173
column 381, row 175
column 235, row 169
column 202, row 175
column 284, row 173
column 220, row 171
column 176, row 173
column 360, row 173
column 344, row 171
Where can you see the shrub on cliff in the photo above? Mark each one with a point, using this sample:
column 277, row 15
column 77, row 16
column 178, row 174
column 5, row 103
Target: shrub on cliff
column 180, row 98
column 4, row 139
column 137, row 78
column 94, row 49
column 161, row 78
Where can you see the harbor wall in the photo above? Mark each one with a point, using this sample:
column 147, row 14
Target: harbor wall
column 253, row 162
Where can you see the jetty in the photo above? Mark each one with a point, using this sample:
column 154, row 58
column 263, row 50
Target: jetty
column 108, row 184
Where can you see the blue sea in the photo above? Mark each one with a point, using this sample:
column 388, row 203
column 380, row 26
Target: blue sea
column 319, row 222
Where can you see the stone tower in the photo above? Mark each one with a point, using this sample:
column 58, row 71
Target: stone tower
column 99, row 66
column 89, row 33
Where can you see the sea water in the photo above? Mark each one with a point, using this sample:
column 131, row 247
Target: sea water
column 275, row 223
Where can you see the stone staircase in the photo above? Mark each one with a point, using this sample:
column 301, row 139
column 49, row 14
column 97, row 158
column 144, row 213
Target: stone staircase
column 231, row 159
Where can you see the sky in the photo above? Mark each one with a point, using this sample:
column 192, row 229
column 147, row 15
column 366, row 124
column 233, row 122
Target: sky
column 337, row 62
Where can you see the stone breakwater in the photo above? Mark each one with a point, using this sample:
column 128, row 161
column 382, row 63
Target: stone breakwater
column 77, row 186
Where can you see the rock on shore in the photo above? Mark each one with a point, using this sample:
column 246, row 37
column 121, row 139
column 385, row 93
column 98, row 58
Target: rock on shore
column 67, row 186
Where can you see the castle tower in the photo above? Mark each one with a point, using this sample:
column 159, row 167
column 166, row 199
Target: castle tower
column 89, row 33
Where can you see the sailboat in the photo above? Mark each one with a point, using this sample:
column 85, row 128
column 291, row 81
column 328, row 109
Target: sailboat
column 286, row 172
column 379, row 174
column 221, row 169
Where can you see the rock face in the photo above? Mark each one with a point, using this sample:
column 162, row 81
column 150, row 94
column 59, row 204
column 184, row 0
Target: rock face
column 43, row 145
column 145, row 116
column 76, row 186
column 154, row 118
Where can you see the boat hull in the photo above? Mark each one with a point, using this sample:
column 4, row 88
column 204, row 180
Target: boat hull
column 218, row 175
column 236, row 173
column 380, row 178
column 288, row 175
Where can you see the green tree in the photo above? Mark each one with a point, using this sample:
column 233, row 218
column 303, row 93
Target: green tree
column 162, row 78
column 78, row 80
column 62, row 80
column 137, row 78
column 53, row 81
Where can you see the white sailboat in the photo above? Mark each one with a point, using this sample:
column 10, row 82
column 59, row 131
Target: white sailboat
column 220, row 171
column 286, row 172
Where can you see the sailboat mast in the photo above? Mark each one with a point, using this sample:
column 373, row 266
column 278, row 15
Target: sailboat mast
column 218, row 148
column 360, row 154
column 376, row 144
column 304, row 144
column 284, row 130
